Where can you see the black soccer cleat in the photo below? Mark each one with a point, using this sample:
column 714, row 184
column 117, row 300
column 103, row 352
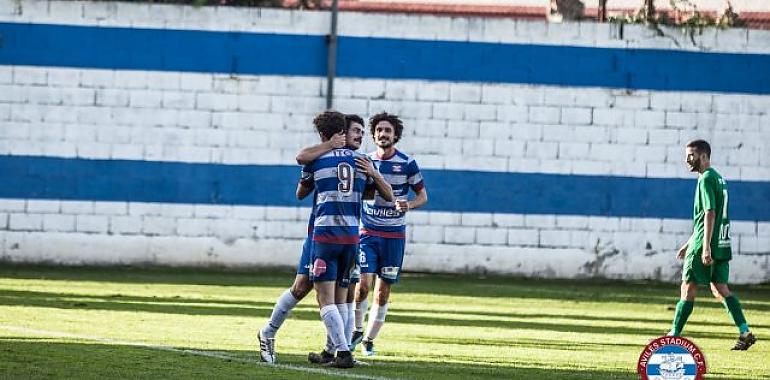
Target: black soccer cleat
column 320, row 358
column 358, row 336
column 367, row 348
column 344, row 359
column 744, row 342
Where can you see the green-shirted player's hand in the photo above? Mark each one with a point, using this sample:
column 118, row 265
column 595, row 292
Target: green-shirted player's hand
column 681, row 252
column 706, row 256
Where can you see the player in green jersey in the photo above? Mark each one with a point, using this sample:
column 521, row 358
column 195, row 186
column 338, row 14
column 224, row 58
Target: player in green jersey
column 707, row 253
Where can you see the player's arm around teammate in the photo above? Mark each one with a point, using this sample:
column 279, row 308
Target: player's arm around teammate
column 383, row 187
column 309, row 154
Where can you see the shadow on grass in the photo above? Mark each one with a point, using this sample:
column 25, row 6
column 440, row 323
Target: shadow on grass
column 206, row 307
column 29, row 359
column 544, row 344
column 589, row 290
column 584, row 317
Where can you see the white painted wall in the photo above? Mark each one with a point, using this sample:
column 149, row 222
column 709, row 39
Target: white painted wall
column 185, row 117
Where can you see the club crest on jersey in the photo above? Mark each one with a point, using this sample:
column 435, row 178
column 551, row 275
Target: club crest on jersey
column 671, row 358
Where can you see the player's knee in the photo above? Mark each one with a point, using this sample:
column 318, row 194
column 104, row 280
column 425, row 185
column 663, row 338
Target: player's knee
column 301, row 287
column 720, row 290
column 363, row 290
column 383, row 293
column 688, row 290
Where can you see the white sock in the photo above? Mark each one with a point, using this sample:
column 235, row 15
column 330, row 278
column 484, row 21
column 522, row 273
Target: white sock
column 376, row 320
column 281, row 310
column 329, row 344
column 350, row 321
column 334, row 327
column 360, row 313
column 343, row 309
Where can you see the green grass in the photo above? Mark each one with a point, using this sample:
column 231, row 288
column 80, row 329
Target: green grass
column 98, row 322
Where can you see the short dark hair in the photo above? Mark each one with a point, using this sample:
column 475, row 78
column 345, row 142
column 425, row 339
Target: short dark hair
column 398, row 125
column 329, row 123
column 701, row 146
column 353, row 118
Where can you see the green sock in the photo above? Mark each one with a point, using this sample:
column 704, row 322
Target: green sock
column 683, row 311
column 733, row 307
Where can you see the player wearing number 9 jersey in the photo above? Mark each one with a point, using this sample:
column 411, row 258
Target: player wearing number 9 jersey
column 708, row 252
column 339, row 177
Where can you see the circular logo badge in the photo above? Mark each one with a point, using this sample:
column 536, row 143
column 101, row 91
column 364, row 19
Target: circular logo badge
column 671, row 358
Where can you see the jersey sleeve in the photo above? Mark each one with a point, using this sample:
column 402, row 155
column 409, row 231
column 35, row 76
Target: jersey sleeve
column 414, row 177
column 707, row 187
column 307, row 178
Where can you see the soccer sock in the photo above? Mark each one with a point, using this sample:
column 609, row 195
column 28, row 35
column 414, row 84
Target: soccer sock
column 281, row 310
column 360, row 313
column 733, row 307
column 343, row 310
column 334, row 327
column 683, row 311
column 376, row 320
column 350, row 322
column 329, row 345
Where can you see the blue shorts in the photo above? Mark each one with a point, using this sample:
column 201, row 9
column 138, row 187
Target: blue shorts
column 333, row 262
column 383, row 256
column 304, row 261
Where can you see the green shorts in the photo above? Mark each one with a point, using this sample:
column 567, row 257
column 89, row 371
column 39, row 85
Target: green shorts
column 694, row 271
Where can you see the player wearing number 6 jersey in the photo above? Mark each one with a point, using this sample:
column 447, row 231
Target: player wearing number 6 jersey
column 708, row 252
column 384, row 227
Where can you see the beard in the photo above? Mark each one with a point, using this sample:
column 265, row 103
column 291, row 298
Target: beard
column 694, row 166
column 385, row 143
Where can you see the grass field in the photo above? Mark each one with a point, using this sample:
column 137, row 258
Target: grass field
column 171, row 323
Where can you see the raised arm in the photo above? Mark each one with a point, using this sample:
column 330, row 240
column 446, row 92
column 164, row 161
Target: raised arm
column 309, row 154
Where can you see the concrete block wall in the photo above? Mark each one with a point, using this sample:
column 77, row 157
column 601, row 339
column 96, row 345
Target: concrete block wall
column 57, row 113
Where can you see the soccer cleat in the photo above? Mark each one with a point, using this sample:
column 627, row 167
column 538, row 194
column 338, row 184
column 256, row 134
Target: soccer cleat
column 367, row 348
column 266, row 348
column 744, row 342
column 358, row 336
column 320, row 358
column 344, row 359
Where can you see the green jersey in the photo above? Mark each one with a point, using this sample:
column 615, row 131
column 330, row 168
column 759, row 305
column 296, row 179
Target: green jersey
column 711, row 194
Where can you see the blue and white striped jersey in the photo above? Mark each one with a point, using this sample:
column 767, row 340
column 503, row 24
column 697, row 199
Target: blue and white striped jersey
column 339, row 187
column 380, row 217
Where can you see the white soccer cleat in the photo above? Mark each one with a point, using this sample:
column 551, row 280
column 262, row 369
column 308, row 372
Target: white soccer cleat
column 266, row 348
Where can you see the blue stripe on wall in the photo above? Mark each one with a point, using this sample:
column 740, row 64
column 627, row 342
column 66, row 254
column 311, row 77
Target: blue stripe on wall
column 250, row 53
column 163, row 50
column 452, row 191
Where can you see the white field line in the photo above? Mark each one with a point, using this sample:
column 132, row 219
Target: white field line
column 210, row 354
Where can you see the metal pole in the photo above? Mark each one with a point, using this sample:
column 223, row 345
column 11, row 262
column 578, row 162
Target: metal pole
column 602, row 11
column 331, row 62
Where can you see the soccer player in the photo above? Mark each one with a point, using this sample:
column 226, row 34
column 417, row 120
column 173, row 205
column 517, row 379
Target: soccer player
column 383, row 233
column 339, row 177
column 354, row 138
column 707, row 253
column 302, row 285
